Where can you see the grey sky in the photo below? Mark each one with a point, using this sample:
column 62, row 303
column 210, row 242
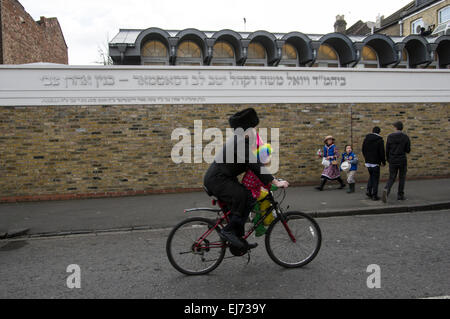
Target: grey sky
column 88, row 23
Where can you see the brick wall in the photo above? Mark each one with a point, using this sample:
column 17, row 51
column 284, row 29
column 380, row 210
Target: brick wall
column 95, row 150
column 392, row 31
column 28, row 41
column 1, row 33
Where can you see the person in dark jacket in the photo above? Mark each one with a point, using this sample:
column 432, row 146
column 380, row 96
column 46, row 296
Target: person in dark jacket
column 236, row 158
column 374, row 156
column 397, row 146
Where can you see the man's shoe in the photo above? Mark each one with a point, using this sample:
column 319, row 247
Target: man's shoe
column 252, row 246
column 385, row 196
column 231, row 238
column 401, row 197
column 375, row 198
column 369, row 195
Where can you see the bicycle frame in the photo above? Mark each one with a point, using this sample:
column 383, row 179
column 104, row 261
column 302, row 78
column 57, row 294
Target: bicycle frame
column 225, row 218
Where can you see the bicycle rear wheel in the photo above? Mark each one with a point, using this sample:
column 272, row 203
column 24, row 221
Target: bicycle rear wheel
column 187, row 255
column 295, row 243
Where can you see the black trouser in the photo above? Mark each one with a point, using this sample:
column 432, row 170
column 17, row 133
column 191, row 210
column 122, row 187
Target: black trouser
column 238, row 198
column 374, row 179
column 401, row 170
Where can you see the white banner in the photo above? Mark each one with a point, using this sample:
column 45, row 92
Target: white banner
column 29, row 85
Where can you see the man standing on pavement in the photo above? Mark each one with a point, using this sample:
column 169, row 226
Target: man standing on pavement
column 397, row 146
column 374, row 155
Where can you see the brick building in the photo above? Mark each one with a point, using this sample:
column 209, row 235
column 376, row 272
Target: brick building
column 418, row 16
column 23, row 40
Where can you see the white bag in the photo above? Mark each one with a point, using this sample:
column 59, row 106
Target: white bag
column 345, row 166
column 325, row 162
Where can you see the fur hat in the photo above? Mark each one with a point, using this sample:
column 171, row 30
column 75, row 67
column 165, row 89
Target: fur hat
column 244, row 119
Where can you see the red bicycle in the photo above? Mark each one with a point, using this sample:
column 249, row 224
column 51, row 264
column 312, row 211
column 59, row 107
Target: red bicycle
column 194, row 246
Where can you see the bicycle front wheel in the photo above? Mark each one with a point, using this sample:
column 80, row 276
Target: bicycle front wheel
column 194, row 246
column 293, row 241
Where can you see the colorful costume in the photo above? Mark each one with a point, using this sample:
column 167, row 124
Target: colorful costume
column 332, row 171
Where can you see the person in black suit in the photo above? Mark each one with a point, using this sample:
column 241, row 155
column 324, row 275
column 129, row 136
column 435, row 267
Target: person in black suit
column 374, row 155
column 398, row 145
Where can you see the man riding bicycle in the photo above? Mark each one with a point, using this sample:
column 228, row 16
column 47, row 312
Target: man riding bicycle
column 236, row 158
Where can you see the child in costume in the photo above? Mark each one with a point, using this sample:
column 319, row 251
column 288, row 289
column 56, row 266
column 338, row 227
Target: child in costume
column 332, row 171
column 257, row 188
column 350, row 157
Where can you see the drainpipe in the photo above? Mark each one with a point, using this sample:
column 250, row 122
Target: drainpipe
column 401, row 27
column 399, row 47
column 122, row 48
column 244, row 45
column 358, row 48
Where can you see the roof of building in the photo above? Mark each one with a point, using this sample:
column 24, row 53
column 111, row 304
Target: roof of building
column 359, row 28
column 129, row 36
column 405, row 11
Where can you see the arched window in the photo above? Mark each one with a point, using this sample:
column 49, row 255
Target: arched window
column 257, row 55
column 223, row 54
column 404, row 62
column 369, row 57
column 289, row 55
column 189, row 53
column 154, row 52
column 327, row 57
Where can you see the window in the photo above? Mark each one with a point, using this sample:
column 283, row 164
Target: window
column 223, row 54
column 416, row 25
column 257, row 55
column 154, row 52
column 327, row 57
column 189, row 53
column 444, row 15
column 369, row 57
column 289, row 55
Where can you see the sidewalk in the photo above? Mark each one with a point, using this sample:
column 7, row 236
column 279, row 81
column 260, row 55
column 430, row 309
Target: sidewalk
column 161, row 211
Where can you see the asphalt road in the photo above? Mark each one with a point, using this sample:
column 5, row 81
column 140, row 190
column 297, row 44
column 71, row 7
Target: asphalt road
column 412, row 251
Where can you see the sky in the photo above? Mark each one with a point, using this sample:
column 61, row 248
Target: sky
column 89, row 24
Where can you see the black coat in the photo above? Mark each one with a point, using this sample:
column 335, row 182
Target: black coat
column 397, row 146
column 234, row 164
column 373, row 149
column 221, row 177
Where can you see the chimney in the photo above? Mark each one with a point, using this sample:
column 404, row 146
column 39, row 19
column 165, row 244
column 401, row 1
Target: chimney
column 380, row 19
column 340, row 25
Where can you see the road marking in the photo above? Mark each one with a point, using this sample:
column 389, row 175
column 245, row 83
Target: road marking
column 441, row 297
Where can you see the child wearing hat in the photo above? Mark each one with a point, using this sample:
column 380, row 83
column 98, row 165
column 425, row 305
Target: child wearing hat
column 352, row 160
column 332, row 171
column 257, row 188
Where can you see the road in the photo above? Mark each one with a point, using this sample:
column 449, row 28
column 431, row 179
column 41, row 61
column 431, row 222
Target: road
column 412, row 251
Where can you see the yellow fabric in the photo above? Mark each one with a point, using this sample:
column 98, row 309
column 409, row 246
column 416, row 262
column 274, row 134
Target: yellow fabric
column 263, row 207
column 263, row 194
